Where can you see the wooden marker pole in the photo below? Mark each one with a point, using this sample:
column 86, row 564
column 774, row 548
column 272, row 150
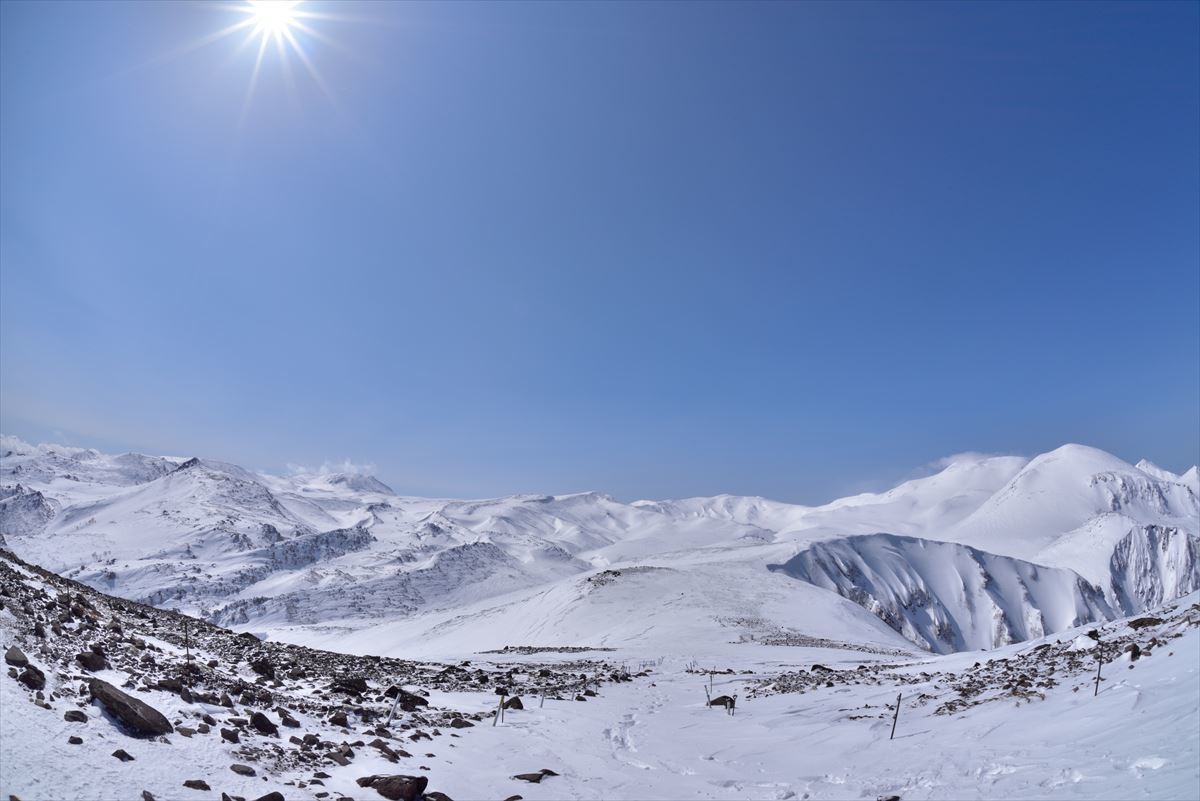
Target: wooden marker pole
column 1099, row 662
column 895, row 717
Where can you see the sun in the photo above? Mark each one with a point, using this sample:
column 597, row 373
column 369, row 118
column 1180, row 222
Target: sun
column 273, row 19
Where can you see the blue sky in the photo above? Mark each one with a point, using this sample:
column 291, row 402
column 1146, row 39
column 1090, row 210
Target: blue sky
column 655, row 250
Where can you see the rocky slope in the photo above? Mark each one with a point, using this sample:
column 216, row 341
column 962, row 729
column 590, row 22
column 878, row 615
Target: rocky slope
column 161, row 705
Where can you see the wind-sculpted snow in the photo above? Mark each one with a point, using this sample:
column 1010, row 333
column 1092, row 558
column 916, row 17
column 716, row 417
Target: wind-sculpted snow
column 947, row 597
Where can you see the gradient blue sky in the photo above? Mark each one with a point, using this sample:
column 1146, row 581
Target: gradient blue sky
column 655, row 250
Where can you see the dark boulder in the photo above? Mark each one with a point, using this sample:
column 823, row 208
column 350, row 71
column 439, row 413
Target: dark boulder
column 197, row 784
column 243, row 770
column 408, row 701
column 138, row 716
column 532, row 778
column 263, row 724
column 16, row 657
column 74, row 716
column 349, row 685
column 122, row 755
column 230, row 735
column 263, row 668
column 32, row 678
column 274, row 795
column 396, row 788
column 514, row 703
column 75, row 740
column 459, row 723
column 92, row 661
column 721, row 700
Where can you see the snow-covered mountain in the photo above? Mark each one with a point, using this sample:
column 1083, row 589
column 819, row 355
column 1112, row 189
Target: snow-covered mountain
column 985, row 552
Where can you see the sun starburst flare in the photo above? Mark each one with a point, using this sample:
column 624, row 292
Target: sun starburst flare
column 273, row 19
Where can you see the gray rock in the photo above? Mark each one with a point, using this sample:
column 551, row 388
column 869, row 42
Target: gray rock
column 263, row 724
column 396, row 788
column 32, row 678
column 92, row 661
column 15, row 656
column 138, row 716
column 242, row 770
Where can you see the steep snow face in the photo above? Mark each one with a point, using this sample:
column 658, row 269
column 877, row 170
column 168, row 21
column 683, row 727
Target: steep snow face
column 947, row 597
column 23, row 512
column 1152, row 565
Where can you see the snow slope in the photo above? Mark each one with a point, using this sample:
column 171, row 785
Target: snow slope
column 985, row 551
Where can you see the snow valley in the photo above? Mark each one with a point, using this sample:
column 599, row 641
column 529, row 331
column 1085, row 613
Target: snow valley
column 994, row 579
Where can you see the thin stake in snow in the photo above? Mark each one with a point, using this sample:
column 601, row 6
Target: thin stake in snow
column 1099, row 662
column 895, row 717
column 499, row 709
column 187, row 650
column 392, row 713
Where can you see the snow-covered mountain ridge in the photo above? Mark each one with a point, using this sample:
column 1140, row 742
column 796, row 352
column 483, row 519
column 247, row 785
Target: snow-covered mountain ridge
column 987, row 551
